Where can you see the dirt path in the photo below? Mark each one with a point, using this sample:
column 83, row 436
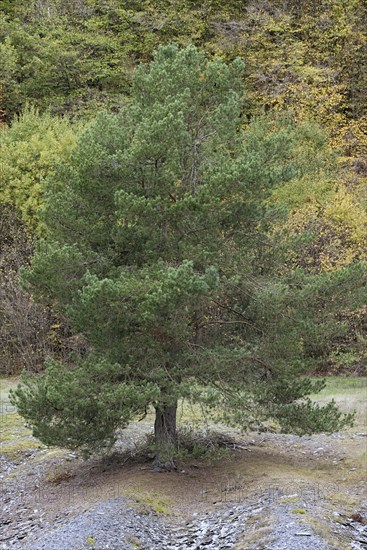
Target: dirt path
column 275, row 491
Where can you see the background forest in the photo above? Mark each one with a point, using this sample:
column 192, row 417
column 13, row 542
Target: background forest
column 306, row 60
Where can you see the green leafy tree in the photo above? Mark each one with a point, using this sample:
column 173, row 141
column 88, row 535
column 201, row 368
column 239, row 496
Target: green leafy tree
column 30, row 148
column 154, row 251
column 8, row 84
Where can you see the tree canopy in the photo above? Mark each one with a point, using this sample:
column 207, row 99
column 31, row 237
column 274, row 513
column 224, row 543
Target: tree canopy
column 159, row 251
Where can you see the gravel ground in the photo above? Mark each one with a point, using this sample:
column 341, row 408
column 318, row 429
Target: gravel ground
column 38, row 513
column 289, row 533
column 118, row 524
column 114, row 525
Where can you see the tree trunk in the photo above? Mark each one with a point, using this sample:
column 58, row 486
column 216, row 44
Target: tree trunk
column 165, row 437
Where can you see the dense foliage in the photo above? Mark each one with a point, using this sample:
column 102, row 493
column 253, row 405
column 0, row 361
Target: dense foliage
column 154, row 252
column 289, row 247
column 29, row 150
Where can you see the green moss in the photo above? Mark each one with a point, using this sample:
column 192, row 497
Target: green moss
column 158, row 505
column 284, row 500
column 134, row 542
column 147, row 502
column 299, row 511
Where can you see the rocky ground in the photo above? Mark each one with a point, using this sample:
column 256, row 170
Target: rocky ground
column 274, row 491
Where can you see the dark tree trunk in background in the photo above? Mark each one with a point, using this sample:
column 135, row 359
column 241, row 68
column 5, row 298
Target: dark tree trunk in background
column 165, row 434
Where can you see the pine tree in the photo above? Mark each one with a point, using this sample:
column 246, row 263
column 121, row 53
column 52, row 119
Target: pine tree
column 153, row 252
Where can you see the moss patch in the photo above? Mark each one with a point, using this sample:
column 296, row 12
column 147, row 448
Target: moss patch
column 147, row 502
column 285, row 500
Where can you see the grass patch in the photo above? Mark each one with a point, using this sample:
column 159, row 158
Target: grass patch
column 342, row 500
column 324, row 531
column 59, row 475
column 343, row 384
column 15, row 438
column 349, row 393
column 259, row 533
